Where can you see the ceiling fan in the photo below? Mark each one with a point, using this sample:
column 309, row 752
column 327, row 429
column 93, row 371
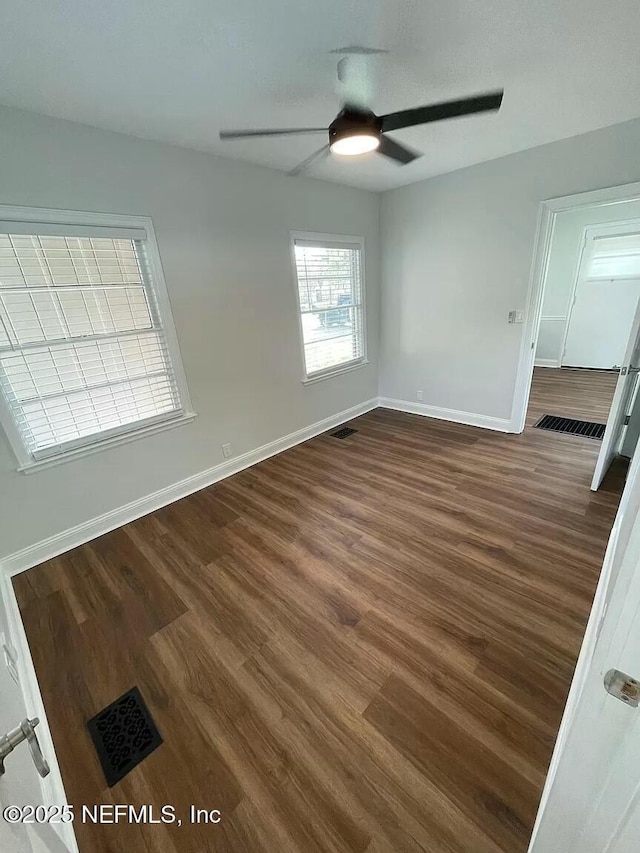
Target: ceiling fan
column 358, row 130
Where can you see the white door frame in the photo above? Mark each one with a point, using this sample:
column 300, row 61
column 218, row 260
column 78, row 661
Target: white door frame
column 577, row 278
column 547, row 215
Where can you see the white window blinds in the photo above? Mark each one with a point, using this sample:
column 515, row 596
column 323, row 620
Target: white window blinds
column 83, row 354
column 330, row 294
column 615, row 257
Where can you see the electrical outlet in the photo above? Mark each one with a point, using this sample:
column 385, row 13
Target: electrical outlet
column 419, row 396
column 226, row 451
column 10, row 657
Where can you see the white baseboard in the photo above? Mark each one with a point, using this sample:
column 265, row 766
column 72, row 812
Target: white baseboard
column 547, row 362
column 48, row 548
column 53, row 793
column 458, row 417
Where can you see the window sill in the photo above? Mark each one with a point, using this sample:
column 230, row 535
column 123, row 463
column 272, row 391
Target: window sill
column 337, row 372
column 96, row 447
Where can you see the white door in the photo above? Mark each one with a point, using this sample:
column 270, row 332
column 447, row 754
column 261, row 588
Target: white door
column 20, row 785
column 591, row 802
column 631, row 432
column 600, row 322
column 620, row 405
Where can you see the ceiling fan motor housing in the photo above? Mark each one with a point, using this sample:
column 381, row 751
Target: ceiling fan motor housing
column 354, row 122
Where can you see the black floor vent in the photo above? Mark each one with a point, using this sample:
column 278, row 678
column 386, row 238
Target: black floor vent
column 345, row 432
column 588, row 429
column 123, row 734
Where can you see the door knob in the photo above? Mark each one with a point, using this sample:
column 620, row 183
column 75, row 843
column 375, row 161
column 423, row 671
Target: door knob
column 623, row 687
column 25, row 731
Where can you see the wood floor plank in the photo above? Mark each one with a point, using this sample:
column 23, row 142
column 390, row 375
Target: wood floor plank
column 360, row 645
column 484, row 785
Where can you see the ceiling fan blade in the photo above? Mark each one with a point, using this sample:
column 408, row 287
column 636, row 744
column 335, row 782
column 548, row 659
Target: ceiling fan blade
column 390, row 148
column 292, row 131
column 447, row 109
column 317, row 155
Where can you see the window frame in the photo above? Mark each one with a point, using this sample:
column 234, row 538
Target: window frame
column 592, row 233
column 28, row 462
column 320, row 237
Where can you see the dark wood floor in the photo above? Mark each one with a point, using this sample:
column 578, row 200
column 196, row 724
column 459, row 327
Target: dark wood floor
column 582, row 394
column 358, row 645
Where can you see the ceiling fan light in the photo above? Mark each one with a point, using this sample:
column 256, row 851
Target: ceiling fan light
column 355, row 143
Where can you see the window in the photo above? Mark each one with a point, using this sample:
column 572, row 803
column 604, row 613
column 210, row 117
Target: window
column 615, row 257
column 87, row 349
column 331, row 303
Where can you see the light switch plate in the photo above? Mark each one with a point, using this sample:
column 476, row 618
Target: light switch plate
column 516, row 316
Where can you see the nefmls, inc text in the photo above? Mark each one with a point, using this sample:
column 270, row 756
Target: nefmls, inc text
column 107, row 813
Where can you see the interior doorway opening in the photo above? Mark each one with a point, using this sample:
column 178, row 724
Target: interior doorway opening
column 580, row 375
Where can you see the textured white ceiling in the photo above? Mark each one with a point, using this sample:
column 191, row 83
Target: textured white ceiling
column 181, row 70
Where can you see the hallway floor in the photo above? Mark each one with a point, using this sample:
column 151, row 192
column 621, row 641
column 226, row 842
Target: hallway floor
column 582, row 394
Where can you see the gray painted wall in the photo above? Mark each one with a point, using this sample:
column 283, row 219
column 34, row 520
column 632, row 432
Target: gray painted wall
column 223, row 233
column 457, row 252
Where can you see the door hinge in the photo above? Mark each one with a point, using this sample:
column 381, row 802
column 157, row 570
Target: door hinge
column 627, row 418
column 623, row 687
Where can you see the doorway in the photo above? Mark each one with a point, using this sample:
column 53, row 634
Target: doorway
column 584, row 323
